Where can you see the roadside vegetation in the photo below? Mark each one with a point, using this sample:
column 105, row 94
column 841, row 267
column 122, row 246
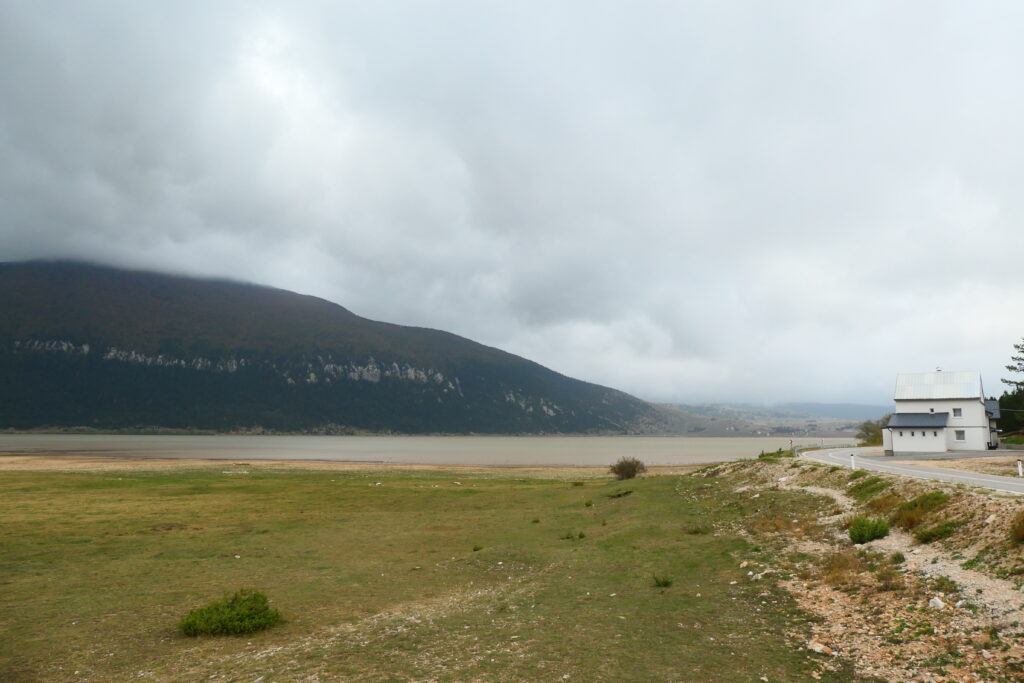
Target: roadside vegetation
column 869, row 432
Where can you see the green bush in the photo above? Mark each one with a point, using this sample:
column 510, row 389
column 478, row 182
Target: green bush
column 628, row 468
column 247, row 611
column 662, row 581
column 934, row 533
column 864, row 529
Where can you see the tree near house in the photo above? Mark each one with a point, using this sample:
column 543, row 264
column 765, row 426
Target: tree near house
column 1012, row 402
column 869, row 433
column 1016, row 367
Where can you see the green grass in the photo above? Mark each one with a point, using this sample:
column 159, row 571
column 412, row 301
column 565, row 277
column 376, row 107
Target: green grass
column 911, row 513
column 934, row 533
column 383, row 582
column 868, row 488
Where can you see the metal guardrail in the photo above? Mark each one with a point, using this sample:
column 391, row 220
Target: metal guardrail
column 797, row 450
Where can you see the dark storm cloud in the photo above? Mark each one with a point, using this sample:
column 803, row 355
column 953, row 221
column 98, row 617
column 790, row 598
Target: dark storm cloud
column 686, row 201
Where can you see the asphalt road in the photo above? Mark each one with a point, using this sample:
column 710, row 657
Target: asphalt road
column 872, row 459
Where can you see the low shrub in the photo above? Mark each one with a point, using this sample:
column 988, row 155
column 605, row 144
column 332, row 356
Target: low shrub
column 864, row 529
column 884, row 505
column 944, row 584
column 628, row 468
column 868, row 488
column 620, row 494
column 908, row 515
column 698, row 530
column 1017, row 528
column 535, row 520
column 662, row 581
column 889, row 579
column 838, row 568
column 246, row 611
column 934, row 533
column 477, row 548
column 897, row 558
column 588, row 503
column 857, row 474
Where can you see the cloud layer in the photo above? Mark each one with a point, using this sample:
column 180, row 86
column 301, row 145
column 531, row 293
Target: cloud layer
column 700, row 201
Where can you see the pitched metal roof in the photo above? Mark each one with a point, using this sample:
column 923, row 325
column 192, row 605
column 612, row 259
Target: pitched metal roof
column 992, row 408
column 931, row 385
column 932, row 420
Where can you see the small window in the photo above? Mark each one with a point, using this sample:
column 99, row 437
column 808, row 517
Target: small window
column 912, row 433
column 960, row 434
column 958, row 412
column 931, row 410
column 935, row 433
column 901, row 433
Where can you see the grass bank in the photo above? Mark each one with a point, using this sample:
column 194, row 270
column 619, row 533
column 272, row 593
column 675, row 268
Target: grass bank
column 393, row 574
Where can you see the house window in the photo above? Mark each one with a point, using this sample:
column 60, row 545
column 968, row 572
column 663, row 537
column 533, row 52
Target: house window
column 931, row 410
column 912, row 433
column 901, row 433
column 960, row 434
column 935, row 433
column 958, row 412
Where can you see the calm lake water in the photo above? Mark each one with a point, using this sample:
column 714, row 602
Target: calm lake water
column 426, row 450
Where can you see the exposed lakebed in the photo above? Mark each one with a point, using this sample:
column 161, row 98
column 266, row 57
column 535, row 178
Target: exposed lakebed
column 422, row 450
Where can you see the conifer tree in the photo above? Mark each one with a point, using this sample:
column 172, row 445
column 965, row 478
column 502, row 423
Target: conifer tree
column 1016, row 367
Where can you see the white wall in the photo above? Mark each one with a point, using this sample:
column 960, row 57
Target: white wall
column 973, row 409
column 922, row 441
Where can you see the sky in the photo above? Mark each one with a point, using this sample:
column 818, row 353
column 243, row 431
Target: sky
column 688, row 201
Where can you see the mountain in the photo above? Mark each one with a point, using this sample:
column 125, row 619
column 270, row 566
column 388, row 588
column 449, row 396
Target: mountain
column 839, row 411
column 90, row 346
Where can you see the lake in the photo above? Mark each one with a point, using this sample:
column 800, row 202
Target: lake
column 421, row 450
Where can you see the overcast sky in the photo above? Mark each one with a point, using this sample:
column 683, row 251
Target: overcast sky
column 689, row 201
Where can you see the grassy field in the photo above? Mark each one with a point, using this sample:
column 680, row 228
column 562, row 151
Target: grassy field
column 391, row 574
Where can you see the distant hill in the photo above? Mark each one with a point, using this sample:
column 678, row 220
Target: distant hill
column 92, row 346
column 840, row 411
column 755, row 413
column 794, row 419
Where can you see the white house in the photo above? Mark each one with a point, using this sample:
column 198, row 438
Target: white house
column 941, row 411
